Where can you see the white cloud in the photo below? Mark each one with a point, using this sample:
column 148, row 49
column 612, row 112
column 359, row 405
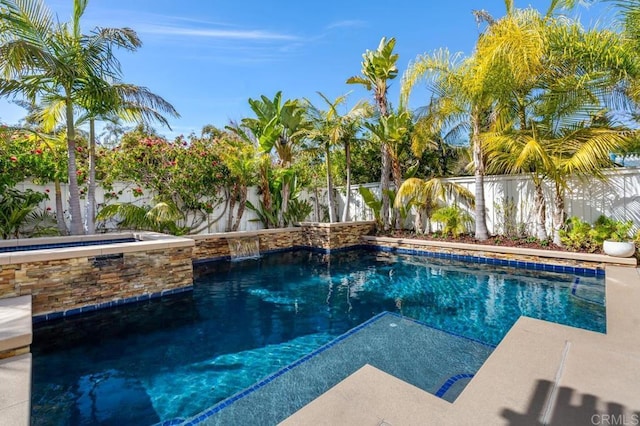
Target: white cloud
column 257, row 35
column 347, row 23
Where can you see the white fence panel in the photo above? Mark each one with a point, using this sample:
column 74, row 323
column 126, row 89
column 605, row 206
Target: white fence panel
column 617, row 197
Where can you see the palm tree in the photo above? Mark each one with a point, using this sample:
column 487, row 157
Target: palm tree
column 330, row 129
column 559, row 77
column 102, row 100
column 112, row 131
column 428, row 195
column 462, row 103
column 279, row 126
column 392, row 130
column 32, row 126
column 41, row 58
column 161, row 217
column 378, row 67
column 241, row 159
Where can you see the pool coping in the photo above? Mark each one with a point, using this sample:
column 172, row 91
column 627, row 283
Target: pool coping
column 525, row 380
column 145, row 241
column 552, row 254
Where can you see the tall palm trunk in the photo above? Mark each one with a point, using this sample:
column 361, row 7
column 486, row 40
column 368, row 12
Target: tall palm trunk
column 559, row 213
column 330, row 192
column 347, row 199
column 264, row 186
column 62, row 225
column 384, row 186
column 540, row 208
column 381, row 100
column 74, row 193
column 417, row 221
column 482, row 233
column 397, row 181
column 90, row 210
column 316, row 204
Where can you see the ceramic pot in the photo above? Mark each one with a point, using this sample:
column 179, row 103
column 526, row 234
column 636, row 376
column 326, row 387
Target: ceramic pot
column 619, row 248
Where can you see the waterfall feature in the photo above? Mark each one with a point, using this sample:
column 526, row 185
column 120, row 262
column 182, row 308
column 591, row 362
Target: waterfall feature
column 244, row 248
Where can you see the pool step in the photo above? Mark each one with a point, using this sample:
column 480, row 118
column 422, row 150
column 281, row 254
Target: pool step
column 16, row 332
column 15, row 390
column 16, row 335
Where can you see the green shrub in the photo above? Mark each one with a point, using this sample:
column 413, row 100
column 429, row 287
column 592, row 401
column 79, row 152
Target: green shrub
column 582, row 236
column 577, row 235
column 454, row 221
column 614, row 230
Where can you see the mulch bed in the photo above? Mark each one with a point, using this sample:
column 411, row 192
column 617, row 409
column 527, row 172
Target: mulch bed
column 524, row 242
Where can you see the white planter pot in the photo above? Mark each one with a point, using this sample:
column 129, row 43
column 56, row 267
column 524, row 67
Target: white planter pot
column 619, row 248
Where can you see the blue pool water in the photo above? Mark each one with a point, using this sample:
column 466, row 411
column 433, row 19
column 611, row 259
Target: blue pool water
column 176, row 356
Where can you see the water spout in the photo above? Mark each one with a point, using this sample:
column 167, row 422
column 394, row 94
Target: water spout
column 244, row 248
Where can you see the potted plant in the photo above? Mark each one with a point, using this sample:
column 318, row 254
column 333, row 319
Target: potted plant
column 618, row 243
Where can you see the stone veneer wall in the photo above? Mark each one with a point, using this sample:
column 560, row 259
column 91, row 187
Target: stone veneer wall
column 316, row 235
column 332, row 236
column 66, row 285
column 213, row 246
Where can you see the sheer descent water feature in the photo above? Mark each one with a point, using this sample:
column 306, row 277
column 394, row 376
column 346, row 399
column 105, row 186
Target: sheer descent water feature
column 244, row 248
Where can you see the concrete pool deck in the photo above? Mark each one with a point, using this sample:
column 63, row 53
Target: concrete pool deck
column 542, row 373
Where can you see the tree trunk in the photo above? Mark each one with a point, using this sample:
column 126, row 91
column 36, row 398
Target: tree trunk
column 540, row 208
column 347, row 200
column 265, row 189
column 417, row 224
column 397, row 180
column 241, row 206
column 559, row 214
column 482, row 233
column 90, row 212
column 381, row 100
column 74, row 193
column 62, row 225
column 285, row 203
column 330, row 194
column 232, row 204
column 384, row 185
column 316, row 204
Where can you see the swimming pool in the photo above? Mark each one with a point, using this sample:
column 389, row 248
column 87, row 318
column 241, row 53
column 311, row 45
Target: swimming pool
column 175, row 357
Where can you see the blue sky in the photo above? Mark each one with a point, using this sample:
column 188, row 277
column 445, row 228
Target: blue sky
column 209, row 57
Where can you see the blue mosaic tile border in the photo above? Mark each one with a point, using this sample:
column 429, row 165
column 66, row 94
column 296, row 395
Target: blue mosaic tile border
column 574, row 293
column 220, row 406
column 66, row 245
column 588, row 272
column 110, row 304
column 447, row 385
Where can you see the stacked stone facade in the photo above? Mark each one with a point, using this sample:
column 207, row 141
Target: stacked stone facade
column 315, row 235
column 336, row 235
column 67, row 284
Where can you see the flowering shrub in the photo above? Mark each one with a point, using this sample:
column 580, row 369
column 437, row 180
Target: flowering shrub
column 186, row 172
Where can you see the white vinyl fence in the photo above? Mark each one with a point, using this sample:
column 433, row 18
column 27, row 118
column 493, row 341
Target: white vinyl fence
column 122, row 192
column 618, row 197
